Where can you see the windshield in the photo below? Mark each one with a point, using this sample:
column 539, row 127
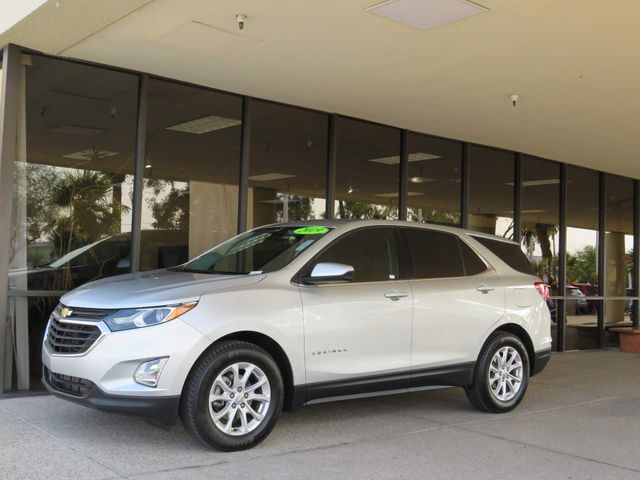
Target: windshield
column 259, row 251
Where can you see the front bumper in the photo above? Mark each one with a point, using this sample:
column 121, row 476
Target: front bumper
column 160, row 409
column 102, row 377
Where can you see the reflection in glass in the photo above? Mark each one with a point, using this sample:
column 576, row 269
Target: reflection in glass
column 539, row 220
column 367, row 170
column 72, row 195
column 287, row 177
column 434, row 180
column 491, row 192
column 618, row 249
column 582, row 257
column 190, row 196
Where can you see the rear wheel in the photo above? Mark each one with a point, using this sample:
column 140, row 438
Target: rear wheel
column 501, row 374
column 233, row 397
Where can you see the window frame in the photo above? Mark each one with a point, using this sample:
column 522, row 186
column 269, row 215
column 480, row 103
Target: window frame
column 305, row 270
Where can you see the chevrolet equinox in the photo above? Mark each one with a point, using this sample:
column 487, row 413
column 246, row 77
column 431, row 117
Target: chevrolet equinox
column 298, row 313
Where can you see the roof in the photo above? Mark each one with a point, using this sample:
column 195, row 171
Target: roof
column 348, row 224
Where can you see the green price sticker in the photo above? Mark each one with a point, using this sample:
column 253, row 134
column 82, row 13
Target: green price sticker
column 310, row 230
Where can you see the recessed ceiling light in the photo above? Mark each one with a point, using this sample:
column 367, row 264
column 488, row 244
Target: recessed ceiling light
column 395, row 194
column 207, row 124
column 425, row 14
column 78, row 130
column 90, row 154
column 413, row 157
column 267, row 177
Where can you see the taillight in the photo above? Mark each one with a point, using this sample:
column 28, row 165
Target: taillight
column 543, row 290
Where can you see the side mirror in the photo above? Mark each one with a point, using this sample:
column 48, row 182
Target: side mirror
column 329, row 273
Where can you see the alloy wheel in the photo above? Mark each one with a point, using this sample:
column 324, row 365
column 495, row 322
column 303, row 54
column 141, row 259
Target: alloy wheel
column 506, row 374
column 239, row 398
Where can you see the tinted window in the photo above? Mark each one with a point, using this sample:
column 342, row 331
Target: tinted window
column 509, row 253
column 434, row 254
column 371, row 252
column 473, row 265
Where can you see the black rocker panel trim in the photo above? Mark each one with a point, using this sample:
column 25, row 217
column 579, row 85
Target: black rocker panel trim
column 459, row 375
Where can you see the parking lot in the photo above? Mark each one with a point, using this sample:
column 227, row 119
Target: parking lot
column 580, row 419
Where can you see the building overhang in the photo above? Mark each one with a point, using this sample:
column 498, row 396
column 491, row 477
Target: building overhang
column 572, row 63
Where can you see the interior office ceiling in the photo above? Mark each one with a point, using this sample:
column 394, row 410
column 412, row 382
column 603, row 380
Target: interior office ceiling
column 573, row 63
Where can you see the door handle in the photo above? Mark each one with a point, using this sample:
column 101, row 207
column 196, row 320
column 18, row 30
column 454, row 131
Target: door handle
column 484, row 288
column 395, row 295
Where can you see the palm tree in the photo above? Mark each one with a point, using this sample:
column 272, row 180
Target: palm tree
column 88, row 209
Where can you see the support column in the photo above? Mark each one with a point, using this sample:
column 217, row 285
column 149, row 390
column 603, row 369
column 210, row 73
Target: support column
column 9, row 109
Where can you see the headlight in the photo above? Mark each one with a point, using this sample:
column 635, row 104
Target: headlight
column 145, row 317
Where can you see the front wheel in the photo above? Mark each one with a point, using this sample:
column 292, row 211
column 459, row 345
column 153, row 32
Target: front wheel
column 501, row 374
column 233, row 397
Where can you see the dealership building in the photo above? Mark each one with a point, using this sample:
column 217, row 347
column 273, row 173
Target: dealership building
column 137, row 134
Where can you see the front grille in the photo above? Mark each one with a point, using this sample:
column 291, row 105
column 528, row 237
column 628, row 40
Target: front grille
column 83, row 313
column 66, row 383
column 70, row 338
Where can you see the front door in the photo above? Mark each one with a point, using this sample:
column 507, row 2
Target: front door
column 358, row 334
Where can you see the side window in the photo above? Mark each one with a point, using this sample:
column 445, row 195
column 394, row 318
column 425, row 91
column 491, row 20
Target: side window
column 434, row 254
column 370, row 251
column 473, row 265
column 509, row 252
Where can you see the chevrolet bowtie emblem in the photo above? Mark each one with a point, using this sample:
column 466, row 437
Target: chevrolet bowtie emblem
column 65, row 312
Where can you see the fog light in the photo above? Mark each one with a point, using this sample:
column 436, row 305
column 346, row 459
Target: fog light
column 148, row 373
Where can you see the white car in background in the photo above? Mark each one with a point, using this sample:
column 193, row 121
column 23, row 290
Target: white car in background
column 291, row 314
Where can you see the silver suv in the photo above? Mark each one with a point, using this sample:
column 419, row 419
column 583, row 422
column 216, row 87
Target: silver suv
column 287, row 315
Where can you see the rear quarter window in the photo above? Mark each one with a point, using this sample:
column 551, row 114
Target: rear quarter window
column 509, row 253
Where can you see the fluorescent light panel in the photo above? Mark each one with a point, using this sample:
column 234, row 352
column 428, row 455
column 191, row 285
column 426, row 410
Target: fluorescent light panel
column 413, row 157
column 90, row 154
column 207, row 124
column 537, row 183
column 268, row 177
column 395, row 194
column 78, row 130
column 426, row 14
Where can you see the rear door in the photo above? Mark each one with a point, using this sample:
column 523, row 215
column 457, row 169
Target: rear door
column 457, row 298
column 360, row 329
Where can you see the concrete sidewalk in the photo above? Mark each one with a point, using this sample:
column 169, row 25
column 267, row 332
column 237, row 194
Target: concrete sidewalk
column 580, row 419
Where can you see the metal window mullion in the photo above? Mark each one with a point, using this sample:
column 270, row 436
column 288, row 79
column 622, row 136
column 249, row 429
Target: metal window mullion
column 517, row 196
column 9, row 107
column 138, row 179
column 602, row 224
column 562, row 260
column 245, row 158
column 636, row 252
column 464, row 186
column 331, row 166
column 403, row 194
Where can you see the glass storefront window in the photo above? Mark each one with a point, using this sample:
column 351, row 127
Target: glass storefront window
column 434, row 185
column 618, row 250
column 539, row 222
column 491, row 192
column 191, row 172
column 72, row 198
column 582, row 258
column 288, row 167
column 367, row 170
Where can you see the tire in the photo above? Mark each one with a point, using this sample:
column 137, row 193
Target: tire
column 226, row 365
column 480, row 393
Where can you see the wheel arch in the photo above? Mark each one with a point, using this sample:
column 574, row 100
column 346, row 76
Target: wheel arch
column 524, row 337
column 274, row 349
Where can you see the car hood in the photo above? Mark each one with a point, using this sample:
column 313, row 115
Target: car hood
column 152, row 288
